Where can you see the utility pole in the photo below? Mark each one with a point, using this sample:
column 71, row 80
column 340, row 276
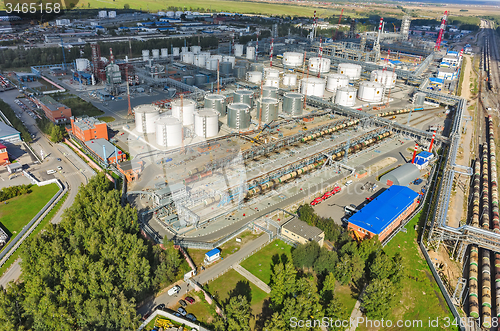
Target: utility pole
column 182, row 123
column 128, row 91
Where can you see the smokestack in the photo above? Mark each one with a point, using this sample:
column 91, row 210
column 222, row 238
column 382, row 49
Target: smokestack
column 111, row 57
column 432, row 141
column 414, row 154
column 271, row 53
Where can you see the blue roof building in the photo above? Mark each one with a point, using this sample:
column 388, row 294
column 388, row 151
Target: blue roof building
column 384, row 214
column 212, row 255
column 422, row 159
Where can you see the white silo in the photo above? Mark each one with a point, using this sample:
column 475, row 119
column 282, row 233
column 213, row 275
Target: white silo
column 346, row 96
column 211, row 63
column 187, row 57
column 272, row 82
column 312, row 86
column 271, row 73
column 319, row 64
column 335, row 81
column 238, row 50
column 178, row 14
column 254, row 77
column 188, row 107
column 384, row 77
column 145, row 54
column 184, row 49
column 170, row 14
column 250, row 53
column 289, row 79
column 156, row 53
column 195, row 49
column 168, row 131
column 82, row 64
column 353, row 71
column 175, row 51
column 164, row 52
column 103, row 14
column 145, row 117
column 292, row 59
column 370, row 91
column 206, row 123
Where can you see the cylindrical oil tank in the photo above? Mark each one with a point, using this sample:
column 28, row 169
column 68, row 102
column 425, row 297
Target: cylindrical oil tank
column 206, row 123
column 254, row 77
column 156, row 53
column 293, row 103
column 217, row 103
column 370, row 91
column 250, row 53
column 168, row 131
column 271, row 73
column 345, row 96
column 184, row 49
column 353, row 71
column 145, row 117
column 82, row 64
column 239, row 72
column 228, row 58
column 164, row 52
column 385, row 77
column 269, row 110
column 243, row 96
column 145, row 54
column 225, row 68
column 275, row 82
column 195, row 49
column 238, row 50
column 189, row 80
column 312, row 86
column 200, row 60
column 319, row 64
column 200, row 80
column 419, row 99
column 188, row 107
column 211, row 63
column 292, row 59
column 238, row 116
column 257, row 67
column 187, row 57
column 334, row 81
column 175, row 51
column 289, row 79
column 270, row 92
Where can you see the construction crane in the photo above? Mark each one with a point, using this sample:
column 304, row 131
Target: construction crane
column 256, row 138
column 341, row 12
column 441, row 30
column 394, row 27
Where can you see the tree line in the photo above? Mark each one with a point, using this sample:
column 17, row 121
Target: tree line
column 89, row 271
column 16, row 122
column 13, row 191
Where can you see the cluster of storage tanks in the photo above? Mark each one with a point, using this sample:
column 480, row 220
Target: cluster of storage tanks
column 256, row 188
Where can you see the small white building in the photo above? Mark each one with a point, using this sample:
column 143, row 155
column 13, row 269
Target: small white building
column 212, row 255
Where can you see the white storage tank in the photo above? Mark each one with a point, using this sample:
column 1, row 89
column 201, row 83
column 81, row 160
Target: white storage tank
column 271, row 73
column 238, row 50
column 346, row 96
column 272, row 82
column 178, row 14
column 188, row 113
column 168, row 131
column 250, row 53
column 145, row 54
column 188, row 57
column 164, row 52
column 231, row 59
column 145, row 117
column 384, row 77
column 335, row 81
column 206, row 123
column 289, row 80
column 82, row 64
column 312, row 86
column 211, row 63
column 175, row 51
column 200, row 60
column 112, row 14
column 184, row 49
column 353, row 71
column 171, row 14
column 195, row 49
column 370, row 91
column 254, row 77
column 217, row 103
column 156, row 53
column 319, row 64
column 292, row 59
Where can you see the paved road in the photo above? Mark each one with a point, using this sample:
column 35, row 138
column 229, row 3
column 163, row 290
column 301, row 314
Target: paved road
column 205, row 276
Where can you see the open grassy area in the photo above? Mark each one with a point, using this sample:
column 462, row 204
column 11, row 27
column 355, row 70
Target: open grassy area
column 346, row 296
column 107, row 119
column 420, row 298
column 260, row 263
column 18, row 211
column 79, row 107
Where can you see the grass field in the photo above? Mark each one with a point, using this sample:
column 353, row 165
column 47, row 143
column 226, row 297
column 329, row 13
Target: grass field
column 346, row 296
column 20, row 210
column 107, row 119
column 421, row 298
column 260, row 263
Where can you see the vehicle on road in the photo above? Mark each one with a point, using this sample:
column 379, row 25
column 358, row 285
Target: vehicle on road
column 182, row 311
column 316, row 201
column 183, row 303
column 349, row 182
column 145, row 317
column 189, row 299
column 160, row 306
column 51, row 171
column 174, row 290
column 58, row 159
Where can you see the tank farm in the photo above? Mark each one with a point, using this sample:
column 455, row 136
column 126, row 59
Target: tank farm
column 482, row 273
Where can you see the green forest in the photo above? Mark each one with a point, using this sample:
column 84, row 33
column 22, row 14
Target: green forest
column 89, row 271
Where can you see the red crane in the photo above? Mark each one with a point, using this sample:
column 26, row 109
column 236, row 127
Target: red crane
column 342, row 12
column 441, row 30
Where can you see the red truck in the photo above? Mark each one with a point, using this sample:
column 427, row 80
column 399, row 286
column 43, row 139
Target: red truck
column 325, row 196
column 316, row 201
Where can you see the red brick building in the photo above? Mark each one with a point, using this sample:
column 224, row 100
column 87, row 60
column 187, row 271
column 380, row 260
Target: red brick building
column 87, row 128
column 4, row 156
column 54, row 110
column 131, row 169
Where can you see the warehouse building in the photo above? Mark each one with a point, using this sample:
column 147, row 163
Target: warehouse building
column 301, row 232
column 8, row 133
column 384, row 214
column 54, row 110
column 87, row 128
column 105, row 151
column 402, row 175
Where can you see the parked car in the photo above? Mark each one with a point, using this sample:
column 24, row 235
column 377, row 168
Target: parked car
column 160, row 306
column 59, row 168
column 58, row 159
column 191, row 317
column 182, row 311
column 189, row 299
column 174, row 290
column 145, row 317
column 183, row 303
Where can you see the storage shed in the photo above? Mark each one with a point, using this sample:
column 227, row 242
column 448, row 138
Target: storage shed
column 212, row 255
column 422, row 159
column 402, row 175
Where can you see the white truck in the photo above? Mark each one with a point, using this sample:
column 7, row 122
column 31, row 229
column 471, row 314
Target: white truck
column 174, row 290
